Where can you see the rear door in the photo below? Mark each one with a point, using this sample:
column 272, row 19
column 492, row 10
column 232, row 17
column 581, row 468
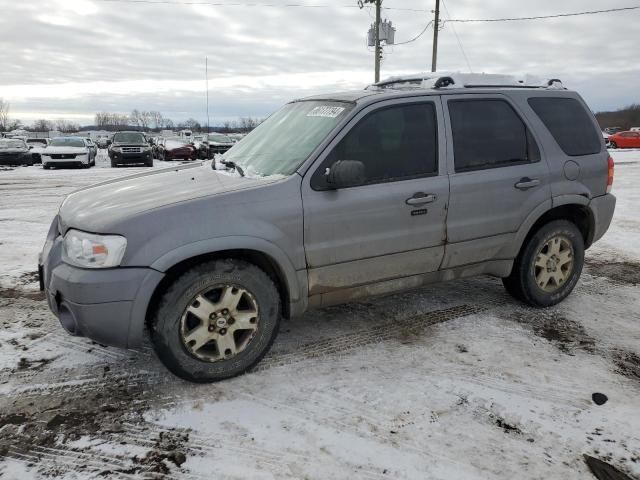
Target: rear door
column 392, row 226
column 497, row 173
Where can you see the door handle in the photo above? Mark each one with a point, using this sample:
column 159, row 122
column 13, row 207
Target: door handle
column 526, row 183
column 420, row 199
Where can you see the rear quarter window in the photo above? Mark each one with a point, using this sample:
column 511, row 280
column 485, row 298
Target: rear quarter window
column 569, row 124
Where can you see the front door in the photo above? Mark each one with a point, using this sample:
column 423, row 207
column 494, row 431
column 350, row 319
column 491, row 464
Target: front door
column 393, row 225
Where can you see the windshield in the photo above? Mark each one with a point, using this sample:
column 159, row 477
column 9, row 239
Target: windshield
column 129, row 138
column 6, row 144
column 67, row 142
column 220, row 139
column 281, row 143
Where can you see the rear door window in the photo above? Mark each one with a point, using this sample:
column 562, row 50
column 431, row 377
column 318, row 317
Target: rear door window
column 488, row 133
column 569, row 124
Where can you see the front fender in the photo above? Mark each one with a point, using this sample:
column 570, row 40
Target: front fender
column 219, row 244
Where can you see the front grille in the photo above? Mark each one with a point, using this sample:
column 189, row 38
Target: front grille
column 62, row 156
column 131, row 150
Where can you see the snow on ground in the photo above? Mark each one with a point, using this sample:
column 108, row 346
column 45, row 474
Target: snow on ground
column 453, row 381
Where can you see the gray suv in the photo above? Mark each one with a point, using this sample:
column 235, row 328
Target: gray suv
column 332, row 199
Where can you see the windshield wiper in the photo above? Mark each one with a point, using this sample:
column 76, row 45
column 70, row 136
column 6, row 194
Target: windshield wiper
column 230, row 164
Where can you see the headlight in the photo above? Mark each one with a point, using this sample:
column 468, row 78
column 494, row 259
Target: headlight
column 87, row 250
column 116, row 149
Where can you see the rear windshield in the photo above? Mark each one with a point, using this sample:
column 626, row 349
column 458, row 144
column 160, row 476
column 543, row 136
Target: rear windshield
column 67, row 142
column 569, row 123
column 37, row 140
column 127, row 137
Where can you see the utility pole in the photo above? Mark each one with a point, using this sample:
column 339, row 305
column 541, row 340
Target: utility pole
column 436, row 26
column 206, row 73
column 378, row 48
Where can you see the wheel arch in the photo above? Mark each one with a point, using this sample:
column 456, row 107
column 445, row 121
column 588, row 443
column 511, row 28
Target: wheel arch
column 574, row 210
column 261, row 253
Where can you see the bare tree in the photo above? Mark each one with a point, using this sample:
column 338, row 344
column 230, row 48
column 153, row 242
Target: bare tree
column 157, row 120
column 4, row 115
column 191, row 124
column 65, row 126
column 42, row 125
column 169, row 124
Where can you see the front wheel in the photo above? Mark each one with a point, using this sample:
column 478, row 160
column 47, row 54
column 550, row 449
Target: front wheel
column 549, row 265
column 613, row 145
column 216, row 321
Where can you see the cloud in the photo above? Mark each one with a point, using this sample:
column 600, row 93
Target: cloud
column 75, row 57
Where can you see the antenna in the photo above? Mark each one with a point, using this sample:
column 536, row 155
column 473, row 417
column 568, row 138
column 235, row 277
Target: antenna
column 206, row 73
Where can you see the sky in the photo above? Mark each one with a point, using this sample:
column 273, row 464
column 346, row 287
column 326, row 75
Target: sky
column 71, row 58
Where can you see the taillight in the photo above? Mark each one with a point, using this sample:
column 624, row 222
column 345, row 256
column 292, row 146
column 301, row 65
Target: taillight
column 610, row 174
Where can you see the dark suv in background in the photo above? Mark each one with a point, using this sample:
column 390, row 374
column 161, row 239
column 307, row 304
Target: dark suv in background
column 130, row 148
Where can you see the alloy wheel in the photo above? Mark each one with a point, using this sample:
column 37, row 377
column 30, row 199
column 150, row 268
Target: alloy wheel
column 554, row 264
column 219, row 322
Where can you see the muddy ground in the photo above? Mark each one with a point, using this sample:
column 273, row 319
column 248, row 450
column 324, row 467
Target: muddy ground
column 455, row 380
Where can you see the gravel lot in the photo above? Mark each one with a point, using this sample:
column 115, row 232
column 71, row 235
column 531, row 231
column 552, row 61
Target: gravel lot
column 453, row 381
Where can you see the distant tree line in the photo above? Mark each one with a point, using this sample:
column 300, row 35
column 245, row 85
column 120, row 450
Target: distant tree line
column 154, row 121
column 626, row 117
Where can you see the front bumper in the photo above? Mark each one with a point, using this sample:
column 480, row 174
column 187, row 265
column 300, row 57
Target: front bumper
column 65, row 160
column 130, row 158
column 105, row 305
column 16, row 159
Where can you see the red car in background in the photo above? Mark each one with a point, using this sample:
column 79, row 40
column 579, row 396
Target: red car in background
column 177, row 149
column 625, row 140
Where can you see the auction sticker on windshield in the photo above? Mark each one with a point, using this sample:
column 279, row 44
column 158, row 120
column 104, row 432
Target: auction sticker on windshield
column 325, row 111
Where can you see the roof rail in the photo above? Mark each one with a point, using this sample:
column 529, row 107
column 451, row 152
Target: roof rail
column 437, row 80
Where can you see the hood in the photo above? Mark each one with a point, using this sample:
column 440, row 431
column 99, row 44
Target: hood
column 50, row 150
column 100, row 208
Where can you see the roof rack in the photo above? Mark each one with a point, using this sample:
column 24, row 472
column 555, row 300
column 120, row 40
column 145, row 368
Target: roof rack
column 438, row 80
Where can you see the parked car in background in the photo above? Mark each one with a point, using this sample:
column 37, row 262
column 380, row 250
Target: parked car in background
column 176, row 148
column 215, row 143
column 14, row 151
column 37, row 145
column 634, row 129
column 613, row 130
column 69, row 152
column 103, row 142
column 345, row 196
column 157, row 147
column 130, row 148
column 625, row 140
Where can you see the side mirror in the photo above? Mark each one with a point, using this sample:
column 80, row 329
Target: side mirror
column 345, row 173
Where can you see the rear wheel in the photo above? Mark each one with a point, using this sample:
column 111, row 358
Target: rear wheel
column 45, row 166
column 549, row 265
column 216, row 321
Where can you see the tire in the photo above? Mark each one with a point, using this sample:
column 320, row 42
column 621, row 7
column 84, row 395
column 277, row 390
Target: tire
column 171, row 325
column 613, row 145
column 149, row 163
column 524, row 281
column 45, row 166
column 114, row 164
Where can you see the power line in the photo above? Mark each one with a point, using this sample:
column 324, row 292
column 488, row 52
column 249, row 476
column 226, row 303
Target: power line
column 544, row 17
column 249, row 4
column 466, row 59
column 416, row 37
